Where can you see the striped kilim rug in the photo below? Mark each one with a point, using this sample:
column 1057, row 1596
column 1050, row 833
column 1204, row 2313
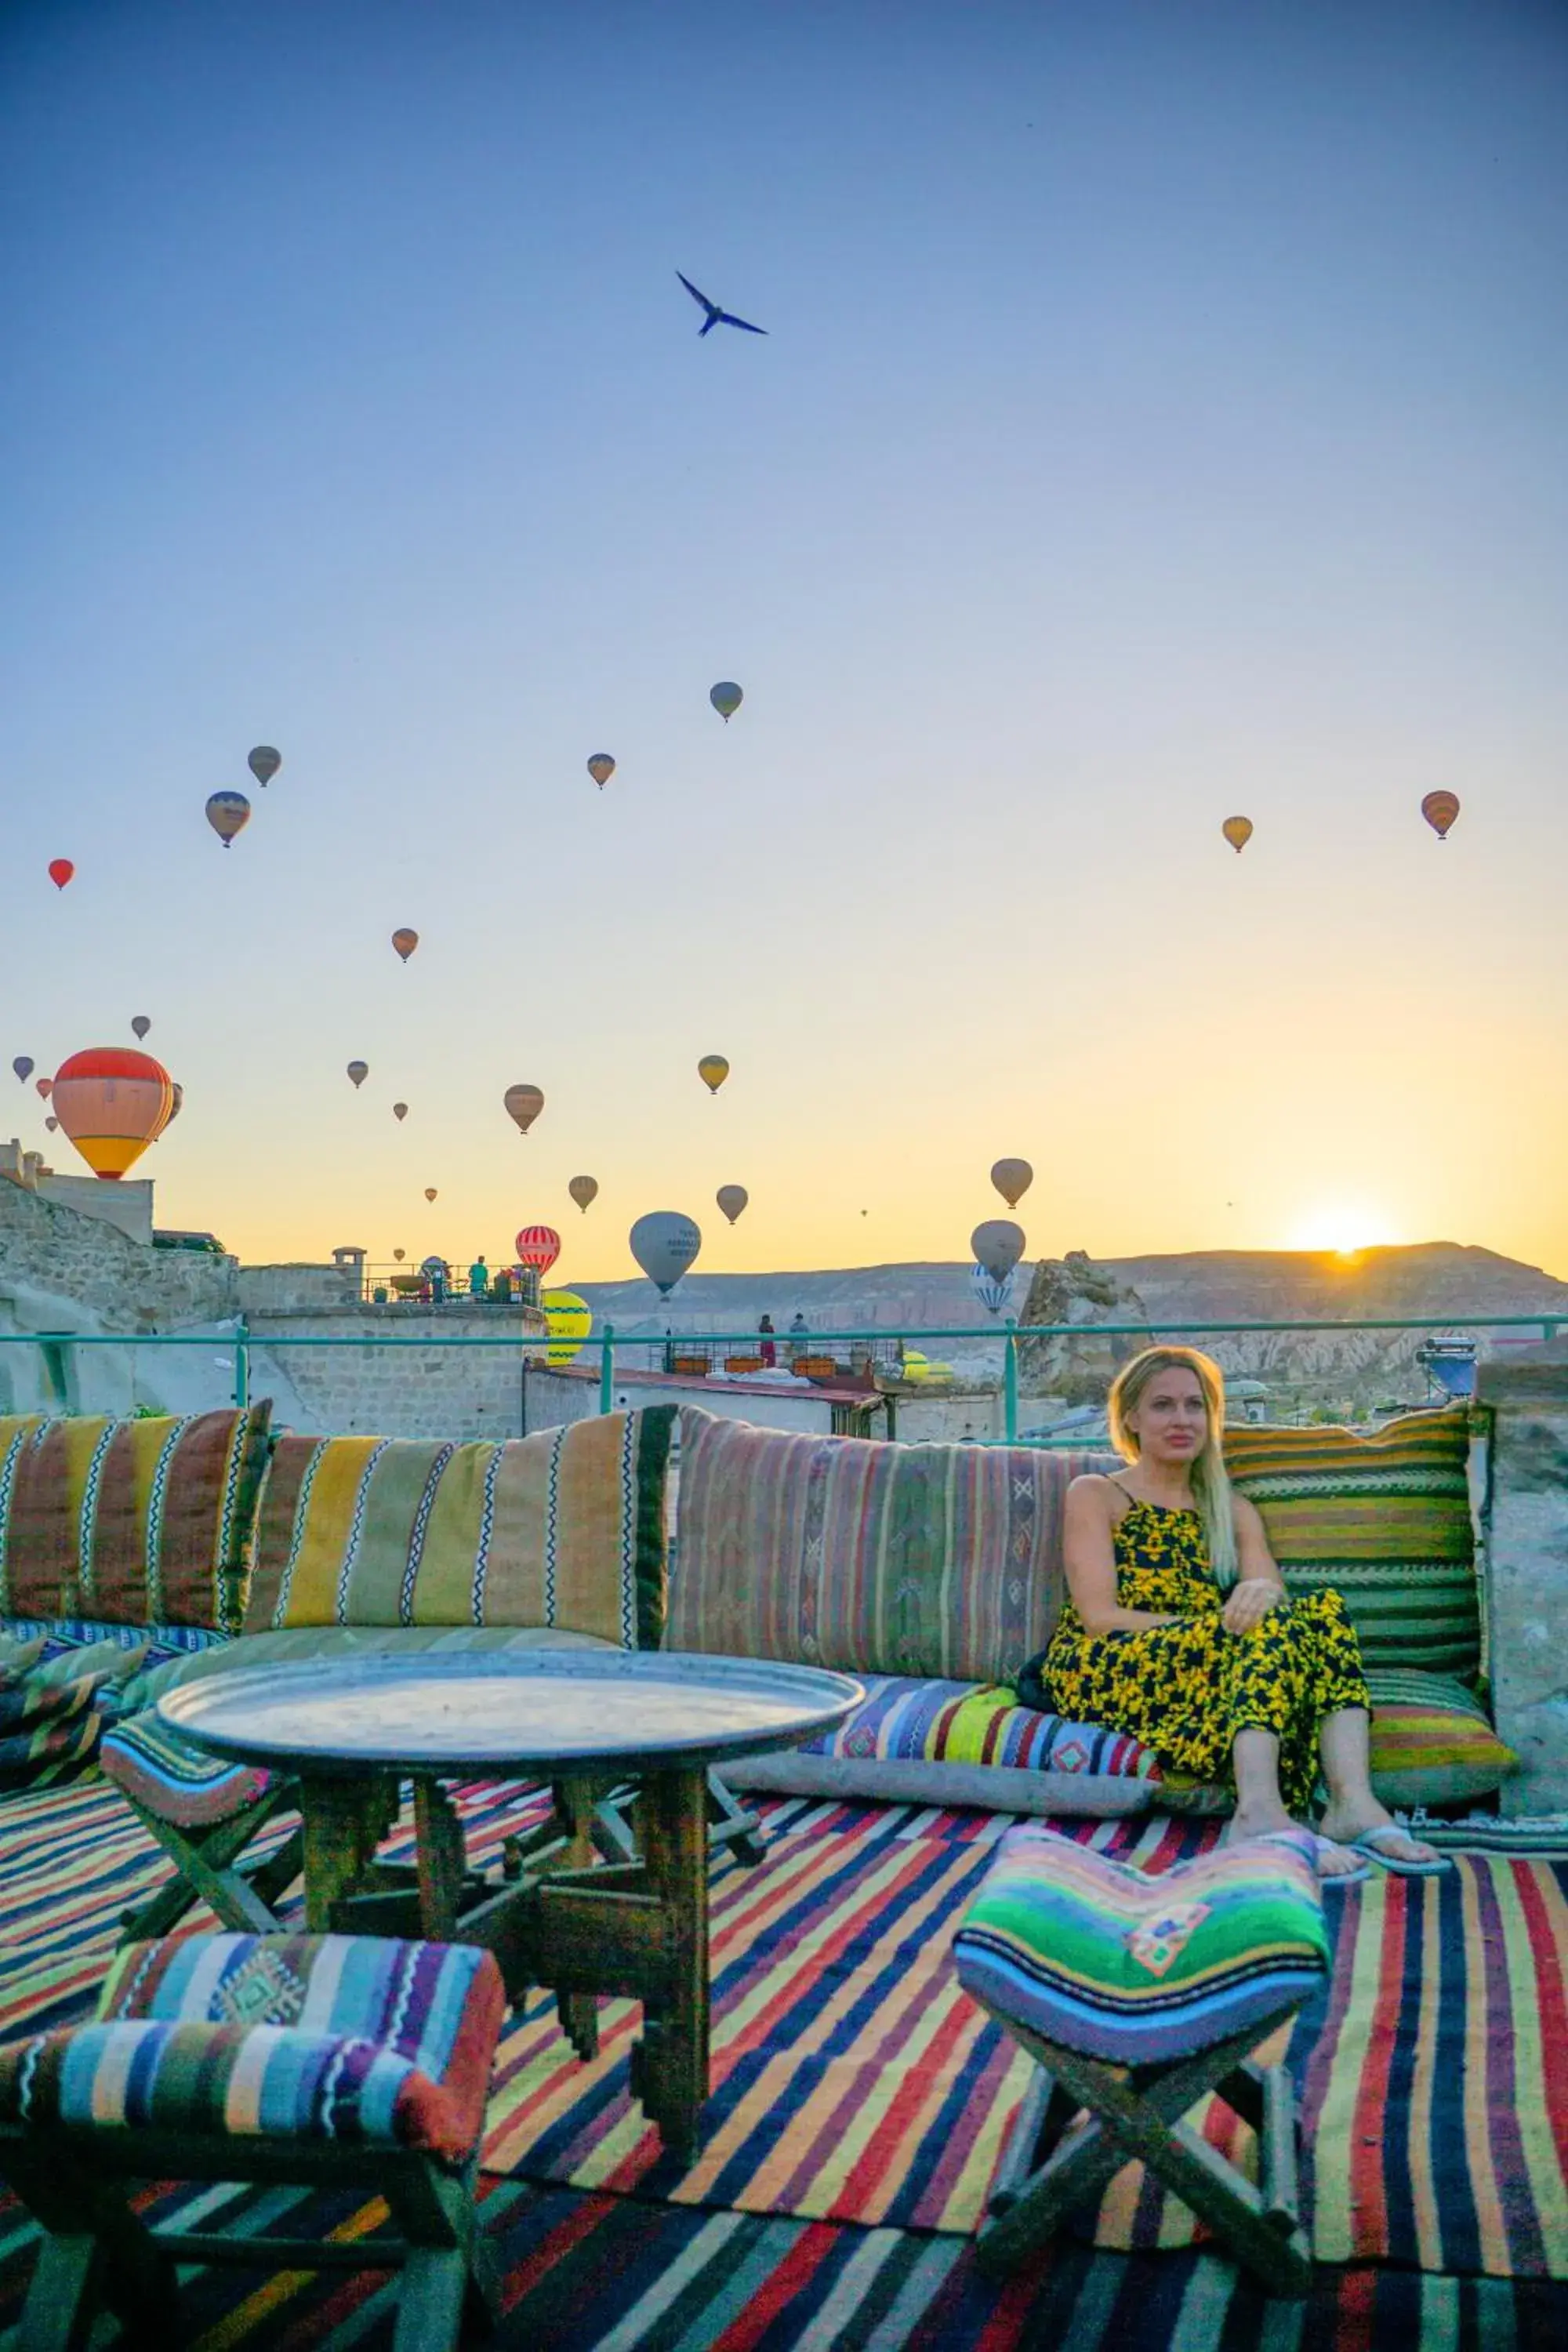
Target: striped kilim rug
column 855, row 2085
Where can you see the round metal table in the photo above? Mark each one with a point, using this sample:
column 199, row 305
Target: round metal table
column 586, row 1721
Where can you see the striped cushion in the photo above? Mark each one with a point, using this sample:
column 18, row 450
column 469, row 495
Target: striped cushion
column 566, row 1528
column 1431, row 1741
column 132, row 1522
column 1385, row 1521
column 874, row 1559
column 906, row 1720
column 47, row 1726
column 174, row 1779
column 348, row 2038
column 1132, row 1967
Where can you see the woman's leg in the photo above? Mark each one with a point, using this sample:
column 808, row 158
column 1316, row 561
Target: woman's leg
column 1344, row 1743
column 1259, row 1807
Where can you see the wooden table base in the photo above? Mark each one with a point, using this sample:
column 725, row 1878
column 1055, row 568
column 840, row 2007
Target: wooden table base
column 584, row 1928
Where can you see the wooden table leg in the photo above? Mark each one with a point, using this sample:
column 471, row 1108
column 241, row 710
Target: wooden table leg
column 343, row 1822
column 575, row 1801
column 669, row 2065
column 441, row 1861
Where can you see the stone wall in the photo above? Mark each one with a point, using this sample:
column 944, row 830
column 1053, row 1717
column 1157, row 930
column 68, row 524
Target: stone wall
column 297, row 1289
column 1523, row 1518
column 407, row 1389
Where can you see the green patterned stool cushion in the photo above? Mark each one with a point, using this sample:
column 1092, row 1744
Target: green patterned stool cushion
column 1135, row 1968
column 1385, row 1521
column 351, row 2038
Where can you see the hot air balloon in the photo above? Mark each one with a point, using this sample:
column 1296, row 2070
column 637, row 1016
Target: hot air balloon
column 400, row 1255
column 358, row 1073
column 601, row 767
column 60, row 871
column 569, row 1319
column 1012, row 1179
column 664, row 1244
column 23, row 1066
column 43, row 1086
column 112, row 1102
column 264, row 763
column 140, row 1024
column 538, row 1247
column 1440, row 809
column 731, row 1199
column 997, row 1246
column 1237, row 831
column 523, row 1105
column 52, row 1123
column 405, row 942
column 993, row 1291
column 712, row 1069
column 429, row 1191
column 228, row 814
column 726, row 699
column 400, row 1112
column 177, row 1103
column 584, row 1190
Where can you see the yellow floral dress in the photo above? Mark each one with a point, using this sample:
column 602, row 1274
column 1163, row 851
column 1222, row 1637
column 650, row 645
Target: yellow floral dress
column 1186, row 1690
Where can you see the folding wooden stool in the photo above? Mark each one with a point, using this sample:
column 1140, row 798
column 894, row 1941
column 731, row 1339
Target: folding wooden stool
column 1138, row 1994
column 337, row 2060
column 205, row 1814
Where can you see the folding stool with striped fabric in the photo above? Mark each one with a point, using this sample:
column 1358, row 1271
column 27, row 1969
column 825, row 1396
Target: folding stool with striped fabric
column 1138, row 1994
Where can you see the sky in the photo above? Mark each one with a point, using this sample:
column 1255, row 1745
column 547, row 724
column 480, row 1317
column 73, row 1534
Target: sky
column 1161, row 417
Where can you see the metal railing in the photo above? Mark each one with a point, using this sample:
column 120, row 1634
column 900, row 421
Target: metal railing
column 606, row 1340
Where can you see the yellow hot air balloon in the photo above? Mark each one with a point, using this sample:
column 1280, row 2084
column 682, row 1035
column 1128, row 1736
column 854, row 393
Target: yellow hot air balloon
column 523, row 1105
column 1440, row 809
column 568, row 1319
column 585, row 1190
column 1237, row 831
column 601, row 767
column 405, row 942
column 712, row 1069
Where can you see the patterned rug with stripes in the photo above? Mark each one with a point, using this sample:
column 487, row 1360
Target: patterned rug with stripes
column 854, row 2084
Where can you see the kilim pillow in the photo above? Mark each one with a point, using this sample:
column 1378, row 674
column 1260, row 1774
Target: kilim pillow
column 1431, row 1741
column 919, row 1740
column 564, row 1529
column 130, row 1522
column 874, row 1558
column 1385, row 1521
column 1133, row 1966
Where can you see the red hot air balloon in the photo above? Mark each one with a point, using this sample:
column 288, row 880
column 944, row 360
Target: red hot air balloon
column 538, row 1247
column 406, row 942
column 43, row 1086
column 112, row 1102
column 60, row 871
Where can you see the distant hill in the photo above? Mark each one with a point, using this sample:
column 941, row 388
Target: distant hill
column 1427, row 1278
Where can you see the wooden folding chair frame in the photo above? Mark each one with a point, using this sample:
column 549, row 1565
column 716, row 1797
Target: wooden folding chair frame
column 96, row 2248
column 1051, row 2166
column 208, row 1868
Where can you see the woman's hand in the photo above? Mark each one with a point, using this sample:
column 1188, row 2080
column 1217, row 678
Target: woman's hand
column 1248, row 1603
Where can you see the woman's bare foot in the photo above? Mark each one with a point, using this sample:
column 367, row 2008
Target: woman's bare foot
column 1334, row 1861
column 1343, row 1822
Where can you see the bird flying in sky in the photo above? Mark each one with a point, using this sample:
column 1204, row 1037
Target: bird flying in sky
column 717, row 318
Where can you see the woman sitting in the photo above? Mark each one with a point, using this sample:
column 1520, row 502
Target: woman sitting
column 1179, row 1630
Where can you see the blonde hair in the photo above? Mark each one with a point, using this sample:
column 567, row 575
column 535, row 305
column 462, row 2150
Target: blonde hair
column 1211, row 1481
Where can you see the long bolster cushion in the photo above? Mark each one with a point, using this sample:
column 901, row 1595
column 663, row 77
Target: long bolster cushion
column 921, row 1740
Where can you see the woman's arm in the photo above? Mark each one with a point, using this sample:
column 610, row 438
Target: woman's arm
column 1090, row 1560
column 1258, row 1587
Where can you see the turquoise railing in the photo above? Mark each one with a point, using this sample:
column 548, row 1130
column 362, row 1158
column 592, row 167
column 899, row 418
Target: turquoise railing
column 606, row 1339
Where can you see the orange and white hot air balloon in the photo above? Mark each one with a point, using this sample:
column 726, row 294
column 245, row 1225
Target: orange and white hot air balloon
column 112, row 1102
column 1440, row 809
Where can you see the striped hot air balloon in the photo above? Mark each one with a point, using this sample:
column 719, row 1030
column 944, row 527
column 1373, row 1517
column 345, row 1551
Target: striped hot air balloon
column 112, row 1102
column 538, row 1247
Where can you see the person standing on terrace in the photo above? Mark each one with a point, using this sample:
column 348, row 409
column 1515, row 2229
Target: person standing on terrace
column 1179, row 1631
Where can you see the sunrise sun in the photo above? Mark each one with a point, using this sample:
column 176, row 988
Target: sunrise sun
column 1347, row 1227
